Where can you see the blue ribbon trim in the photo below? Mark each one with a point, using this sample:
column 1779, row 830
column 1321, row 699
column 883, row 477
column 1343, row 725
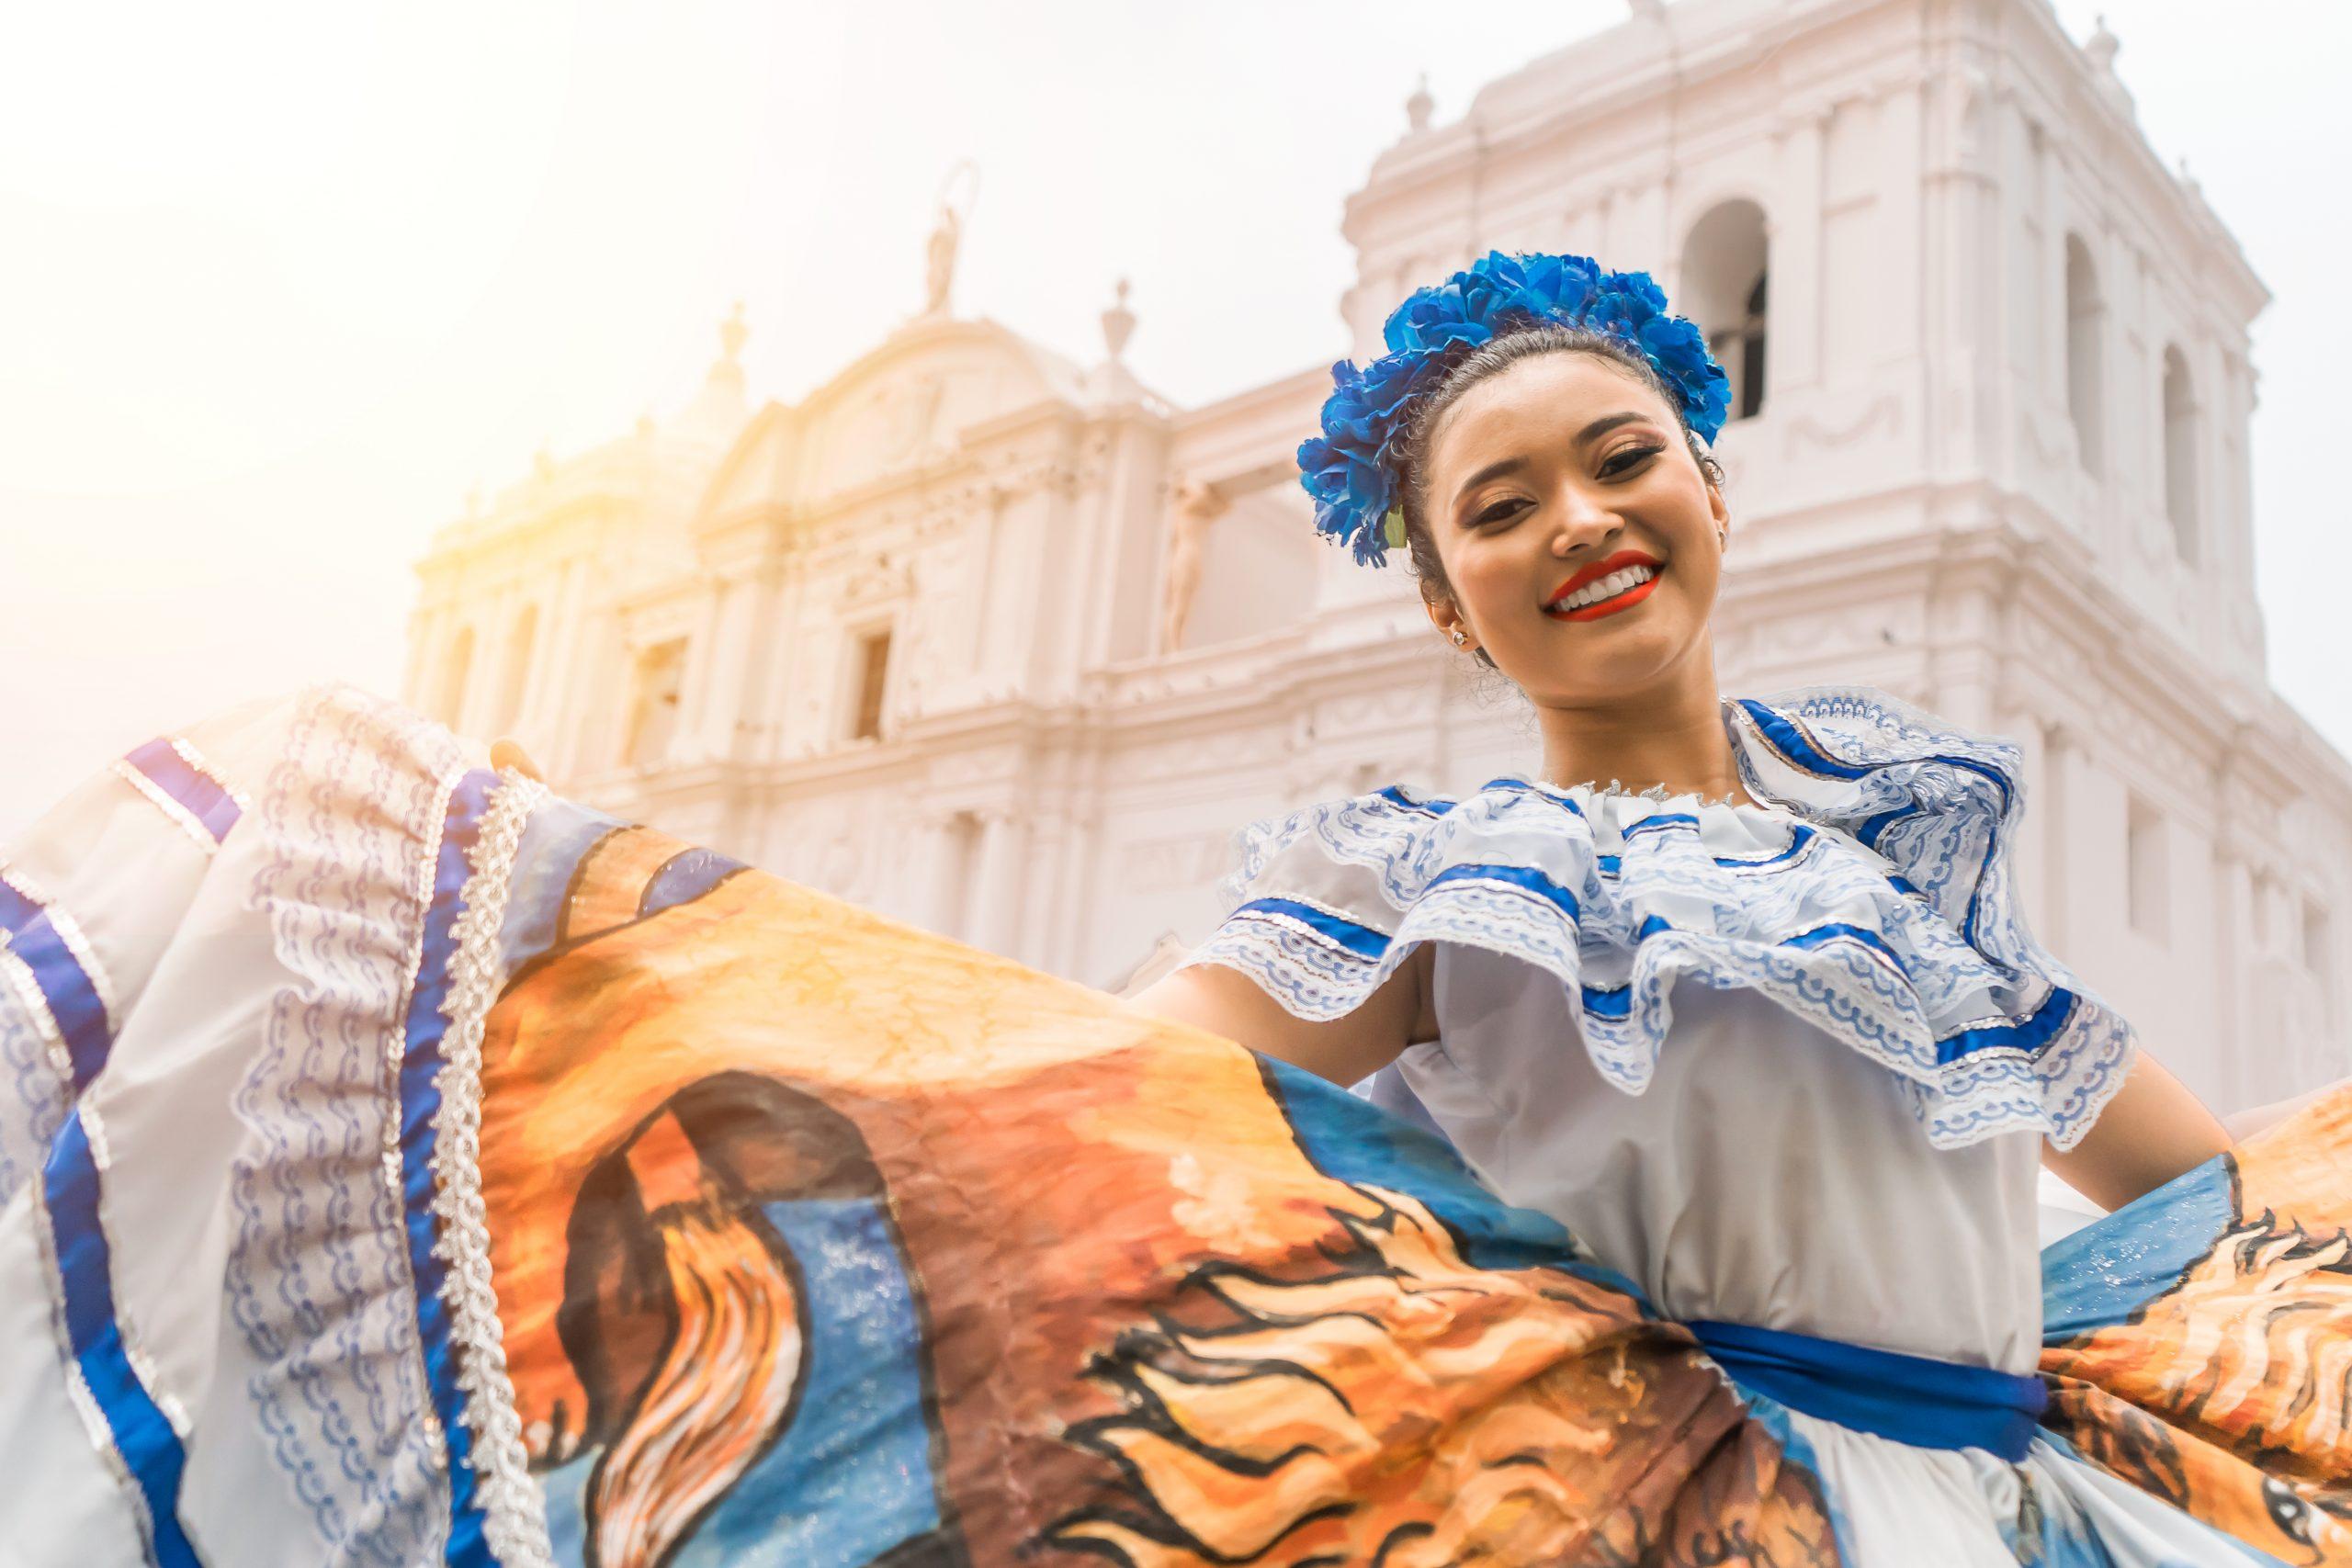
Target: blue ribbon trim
column 141, row 1434
column 1908, row 1399
column 420, row 1093
column 69, row 991
column 2030, row 1034
column 1792, row 741
column 1526, row 878
column 1359, row 940
column 203, row 796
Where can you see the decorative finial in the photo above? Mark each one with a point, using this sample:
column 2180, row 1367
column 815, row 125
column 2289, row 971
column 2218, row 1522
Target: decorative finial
column 2103, row 44
column 1118, row 324
column 1418, row 107
column 732, row 331
column 946, row 234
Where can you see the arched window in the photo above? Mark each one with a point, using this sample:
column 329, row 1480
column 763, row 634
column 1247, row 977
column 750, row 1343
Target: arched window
column 2086, row 356
column 2180, row 453
column 457, row 665
column 518, row 666
column 1726, row 288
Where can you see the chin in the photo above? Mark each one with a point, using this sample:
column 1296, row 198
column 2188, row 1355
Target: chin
column 1604, row 669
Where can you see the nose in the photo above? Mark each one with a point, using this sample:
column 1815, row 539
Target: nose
column 1585, row 521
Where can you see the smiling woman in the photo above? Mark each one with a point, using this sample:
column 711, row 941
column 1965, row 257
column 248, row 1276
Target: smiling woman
column 1822, row 1056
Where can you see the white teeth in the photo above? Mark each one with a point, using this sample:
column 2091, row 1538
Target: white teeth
column 1609, row 587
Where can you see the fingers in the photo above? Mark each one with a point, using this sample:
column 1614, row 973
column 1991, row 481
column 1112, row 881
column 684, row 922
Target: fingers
column 506, row 753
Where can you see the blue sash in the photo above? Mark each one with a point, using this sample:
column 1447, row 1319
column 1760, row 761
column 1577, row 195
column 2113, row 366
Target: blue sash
column 1910, row 1399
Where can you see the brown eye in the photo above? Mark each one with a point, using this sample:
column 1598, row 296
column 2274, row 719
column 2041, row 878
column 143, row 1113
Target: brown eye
column 1498, row 513
column 1628, row 460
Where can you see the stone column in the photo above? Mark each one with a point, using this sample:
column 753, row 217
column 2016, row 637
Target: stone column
column 1001, row 883
column 719, row 702
column 1794, row 253
column 556, row 725
column 694, row 681
column 939, row 852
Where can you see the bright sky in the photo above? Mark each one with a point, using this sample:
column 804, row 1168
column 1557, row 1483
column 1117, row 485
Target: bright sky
column 282, row 282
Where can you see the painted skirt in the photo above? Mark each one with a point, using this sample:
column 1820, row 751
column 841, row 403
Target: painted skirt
column 404, row 1166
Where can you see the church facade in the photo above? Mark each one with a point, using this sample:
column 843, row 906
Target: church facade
column 1007, row 646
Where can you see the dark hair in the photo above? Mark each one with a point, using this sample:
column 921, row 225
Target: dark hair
column 1491, row 359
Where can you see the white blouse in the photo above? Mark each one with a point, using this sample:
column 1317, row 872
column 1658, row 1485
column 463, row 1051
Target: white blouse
column 1787, row 1065
column 1766, row 1175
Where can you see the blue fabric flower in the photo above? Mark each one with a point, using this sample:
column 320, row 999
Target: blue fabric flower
column 1350, row 469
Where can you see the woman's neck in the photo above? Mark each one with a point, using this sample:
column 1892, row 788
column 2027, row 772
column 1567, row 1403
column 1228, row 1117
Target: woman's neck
column 1671, row 736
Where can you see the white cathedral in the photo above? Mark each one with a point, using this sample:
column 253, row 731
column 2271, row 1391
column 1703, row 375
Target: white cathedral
column 1008, row 647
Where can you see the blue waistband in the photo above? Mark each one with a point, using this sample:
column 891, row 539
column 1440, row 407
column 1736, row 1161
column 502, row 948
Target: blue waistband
column 1927, row 1404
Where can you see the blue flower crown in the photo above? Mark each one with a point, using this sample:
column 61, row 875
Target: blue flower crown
column 1351, row 471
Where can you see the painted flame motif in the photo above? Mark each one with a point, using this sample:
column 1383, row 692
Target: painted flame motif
column 1409, row 1409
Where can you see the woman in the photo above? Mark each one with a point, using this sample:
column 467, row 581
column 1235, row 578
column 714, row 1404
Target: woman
column 1683, row 1069
column 400, row 1164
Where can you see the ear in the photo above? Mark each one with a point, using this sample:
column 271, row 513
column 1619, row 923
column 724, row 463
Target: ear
column 1721, row 512
column 1448, row 620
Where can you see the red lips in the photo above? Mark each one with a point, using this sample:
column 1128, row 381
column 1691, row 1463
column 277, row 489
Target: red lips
column 1599, row 569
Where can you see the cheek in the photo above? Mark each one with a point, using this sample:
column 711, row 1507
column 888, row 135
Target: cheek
column 1488, row 578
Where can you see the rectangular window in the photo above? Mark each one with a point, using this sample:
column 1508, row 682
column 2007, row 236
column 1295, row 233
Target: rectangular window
column 653, row 703
column 2147, row 882
column 872, row 684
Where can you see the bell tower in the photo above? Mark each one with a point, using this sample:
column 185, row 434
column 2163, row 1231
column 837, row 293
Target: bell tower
column 1958, row 295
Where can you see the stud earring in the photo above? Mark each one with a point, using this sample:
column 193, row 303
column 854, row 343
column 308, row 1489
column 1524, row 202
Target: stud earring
column 1461, row 639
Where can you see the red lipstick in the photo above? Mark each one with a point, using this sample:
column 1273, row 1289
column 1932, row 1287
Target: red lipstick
column 1606, row 567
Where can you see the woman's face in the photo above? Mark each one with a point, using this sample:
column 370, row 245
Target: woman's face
column 1583, row 543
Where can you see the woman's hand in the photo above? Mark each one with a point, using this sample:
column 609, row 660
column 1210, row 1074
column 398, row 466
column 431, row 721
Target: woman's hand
column 2151, row 1132
column 507, row 752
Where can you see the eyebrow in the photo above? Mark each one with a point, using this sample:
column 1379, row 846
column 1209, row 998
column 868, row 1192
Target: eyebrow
column 1593, row 431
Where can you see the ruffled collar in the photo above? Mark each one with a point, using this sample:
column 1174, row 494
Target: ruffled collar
column 1869, row 892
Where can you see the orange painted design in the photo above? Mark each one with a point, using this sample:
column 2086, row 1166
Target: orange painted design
column 612, row 880
column 2231, row 1394
column 1099, row 1208
column 715, row 1400
column 664, row 1165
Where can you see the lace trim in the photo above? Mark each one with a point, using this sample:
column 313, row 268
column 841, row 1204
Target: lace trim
column 1659, row 793
column 1904, row 944
column 514, row 1523
column 19, row 978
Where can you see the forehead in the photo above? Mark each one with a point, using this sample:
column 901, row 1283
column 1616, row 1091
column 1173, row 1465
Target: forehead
column 1544, row 401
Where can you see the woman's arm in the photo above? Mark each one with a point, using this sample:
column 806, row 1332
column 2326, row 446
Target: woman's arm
column 1226, row 1001
column 2151, row 1132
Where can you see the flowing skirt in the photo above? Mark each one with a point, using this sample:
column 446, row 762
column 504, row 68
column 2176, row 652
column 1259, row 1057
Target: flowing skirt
column 403, row 1165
